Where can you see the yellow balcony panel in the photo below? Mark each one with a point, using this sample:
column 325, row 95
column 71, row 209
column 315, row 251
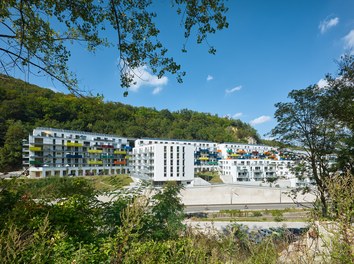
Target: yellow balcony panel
column 73, row 144
column 120, row 152
column 35, row 148
column 234, row 155
column 127, row 157
column 203, row 158
column 95, row 162
column 94, row 151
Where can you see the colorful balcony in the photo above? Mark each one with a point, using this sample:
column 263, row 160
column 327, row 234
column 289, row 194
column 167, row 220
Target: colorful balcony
column 35, row 162
column 94, row 151
column 73, row 144
column 120, row 162
column 203, row 158
column 35, row 148
column 128, row 148
column 106, row 146
column 127, row 157
column 107, row 156
column 120, row 152
column 71, row 156
column 95, row 162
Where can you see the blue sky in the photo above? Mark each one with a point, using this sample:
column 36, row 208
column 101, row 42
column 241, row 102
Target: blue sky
column 270, row 48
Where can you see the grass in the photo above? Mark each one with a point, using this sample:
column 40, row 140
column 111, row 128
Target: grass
column 285, row 215
column 109, row 183
column 210, row 176
column 41, row 188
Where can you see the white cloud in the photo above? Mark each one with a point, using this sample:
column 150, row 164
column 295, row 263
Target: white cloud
column 157, row 90
column 209, row 77
column 142, row 77
column 237, row 88
column 349, row 40
column 260, row 120
column 322, row 83
column 327, row 24
column 53, row 89
column 237, row 115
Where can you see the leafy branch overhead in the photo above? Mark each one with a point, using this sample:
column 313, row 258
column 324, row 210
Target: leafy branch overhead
column 35, row 34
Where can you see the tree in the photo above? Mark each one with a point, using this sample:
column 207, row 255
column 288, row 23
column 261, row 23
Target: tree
column 10, row 153
column 301, row 123
column 337, row 103
column 36, row 34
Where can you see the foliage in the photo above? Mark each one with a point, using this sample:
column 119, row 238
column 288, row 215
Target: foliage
column 134, row 228
column 337, row 103
column 320, row 120
column 38, row 34
column 32, row 106
column 301, row 123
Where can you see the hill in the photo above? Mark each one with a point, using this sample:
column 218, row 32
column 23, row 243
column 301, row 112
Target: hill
column 25, row 106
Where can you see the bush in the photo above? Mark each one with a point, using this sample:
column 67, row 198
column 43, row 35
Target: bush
column 257, row 214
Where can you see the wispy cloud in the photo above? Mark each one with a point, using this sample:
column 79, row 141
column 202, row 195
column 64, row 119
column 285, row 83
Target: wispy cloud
column 349, row 40
column 237, row 115
column 327, row 24
column 234, row 116
column 53, row 89
column 235, row 89
column 260, row 120
column 209, row 78
column 142, row 77
column 157, row 90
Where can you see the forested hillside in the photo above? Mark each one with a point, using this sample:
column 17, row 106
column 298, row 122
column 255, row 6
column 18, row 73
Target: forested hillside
column 24, row 107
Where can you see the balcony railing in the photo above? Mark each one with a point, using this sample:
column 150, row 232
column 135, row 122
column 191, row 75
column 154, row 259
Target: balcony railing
column 95, row 162
column 120, row 162
column 94, row 151
column 73, row 144
column 35, row 148
column 120, row 152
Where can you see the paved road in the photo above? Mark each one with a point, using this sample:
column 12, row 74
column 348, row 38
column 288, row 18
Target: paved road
column 263, row 206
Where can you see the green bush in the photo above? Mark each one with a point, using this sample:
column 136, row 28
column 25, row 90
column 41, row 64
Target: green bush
column 257, row 214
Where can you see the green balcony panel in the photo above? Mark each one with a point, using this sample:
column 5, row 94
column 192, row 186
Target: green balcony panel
column 73, row 144
column 35, row 148
column 94, row 151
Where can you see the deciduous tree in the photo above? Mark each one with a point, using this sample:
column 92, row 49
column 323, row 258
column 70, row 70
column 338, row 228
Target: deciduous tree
column 300, row 123
column 35, row 34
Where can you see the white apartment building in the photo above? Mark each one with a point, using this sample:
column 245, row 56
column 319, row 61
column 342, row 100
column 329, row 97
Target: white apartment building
column 58, row 152
column 206, row 155
column 255, row 169
column 165, row 161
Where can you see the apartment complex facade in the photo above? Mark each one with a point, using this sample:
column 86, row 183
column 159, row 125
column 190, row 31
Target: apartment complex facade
column 205, row 153
column 245, row 162
column 168, row 161
column 58, row 152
